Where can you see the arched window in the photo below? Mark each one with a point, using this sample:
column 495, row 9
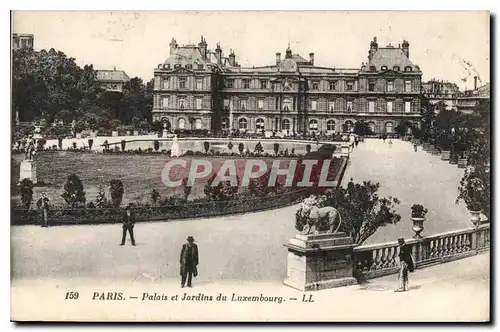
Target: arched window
column 259, row 124
column 287, row 104
column 384, row 67
column 198, row 124
column 371, row 126
column 396, row 68
column 242, row 123
column 349, row 126
column 225, row 123
column 313, row 125
column 408, row 68
column 285, row 124
column 389, row 127
column 181, row 123
column 330, row 125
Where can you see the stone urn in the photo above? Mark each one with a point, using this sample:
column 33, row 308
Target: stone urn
column 445, row 155
column 418, row 226
column 475, row 217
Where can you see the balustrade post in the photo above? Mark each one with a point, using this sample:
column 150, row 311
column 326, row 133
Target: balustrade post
column 473, row 242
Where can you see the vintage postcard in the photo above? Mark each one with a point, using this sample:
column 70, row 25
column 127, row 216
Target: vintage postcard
column 246, row 166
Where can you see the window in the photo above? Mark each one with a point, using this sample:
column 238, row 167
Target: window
column 287, row 104
column 259, row 124
column 396, row 68
column 246, row 84
column 182, row 83
column 349, row 106
column 167, row 66
column 243, row 104
column 166, row 83
column 198, row 103
column 371, row 86
column 181, row 123
column 230, row 84
column 314, row 105
column 260, row 104
column 407, row 106
column 198, row 124
column 408, row 68
column 384, row 68
column 407, row 86
column 371, row 106
column 189, row 66
column 313, row 125
column 263, row 84
column 371, row 126
column 373, row 68
column 332, row 85
column 390, row 86
column 389, row 107
column 242, row 123
column 315, row 85
column 225, row 123
column 226, row 104
column 331, row 106
column 389, row 127
column 200, row 66
column 285, row 124
column 330, row 125
column 177, row 66
column 181, row 103
column 164, row 101
column 349, row 126
column 199, row 84
column 350, row 86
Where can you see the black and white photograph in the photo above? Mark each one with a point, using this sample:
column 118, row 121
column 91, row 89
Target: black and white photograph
column 250, row 166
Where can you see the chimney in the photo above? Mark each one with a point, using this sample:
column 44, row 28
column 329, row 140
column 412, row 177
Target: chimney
column 406, row 48
column 173, row 46
column 232, row 59
column 202, row 45
column 218, row 54
column 311, row 58
column 475, row 82
column 278, row 58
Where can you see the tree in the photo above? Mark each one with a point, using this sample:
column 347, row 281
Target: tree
column 276, row 148
column 241, row 148
column 362, row 210
column 259, row 187
column 91, row 142
column 123, row 144
column 156, row 145
column 186, row 188
column 258, row 148
column 362, row 128
column 100, row 200
column 206, row 146
column 224, row 191
column 155, row 196
column 26, row 192
column 116, row 190
column 73, row 191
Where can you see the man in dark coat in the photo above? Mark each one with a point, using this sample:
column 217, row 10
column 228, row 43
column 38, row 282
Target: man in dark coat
column 406, row 264
column 189, row 261
column 128, row 225
column 43, row 204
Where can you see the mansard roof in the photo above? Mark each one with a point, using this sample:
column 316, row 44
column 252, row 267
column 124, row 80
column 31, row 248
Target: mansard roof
column 184, row 55
column 112, row 75
column 391, row 57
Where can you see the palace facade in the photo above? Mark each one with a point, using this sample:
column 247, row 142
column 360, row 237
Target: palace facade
column 196, row 88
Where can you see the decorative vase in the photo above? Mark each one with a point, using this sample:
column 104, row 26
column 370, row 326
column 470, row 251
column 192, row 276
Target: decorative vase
column 445, row 155
column 475, row 217
column 418, row 226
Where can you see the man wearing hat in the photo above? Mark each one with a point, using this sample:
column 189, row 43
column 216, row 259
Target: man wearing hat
column 189, row 261
column 128, row 225
column 406, row 265
column 43, row 204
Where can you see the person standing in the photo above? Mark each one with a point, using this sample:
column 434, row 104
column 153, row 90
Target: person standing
column 406, row 264
column 128, row 225
column 415, row 147
column 189, row 261
column 43, row 204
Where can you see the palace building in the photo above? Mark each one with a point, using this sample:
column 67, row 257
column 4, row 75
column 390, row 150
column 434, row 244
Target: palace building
column 196, row 88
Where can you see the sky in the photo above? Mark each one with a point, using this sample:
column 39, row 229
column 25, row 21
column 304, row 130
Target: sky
column 441, row 42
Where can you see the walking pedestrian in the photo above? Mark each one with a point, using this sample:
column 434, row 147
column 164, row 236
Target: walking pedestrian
column 128, row 225
column 43, row 204
column 189, row 262
column 406, row 264
column 415, row 147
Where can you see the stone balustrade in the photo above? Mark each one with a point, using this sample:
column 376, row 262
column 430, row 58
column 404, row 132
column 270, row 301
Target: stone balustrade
column 376, row 260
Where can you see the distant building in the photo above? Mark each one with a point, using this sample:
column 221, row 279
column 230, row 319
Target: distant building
column 112, row 80
column 22, row 41
column 196, row 88
column 441, row 91
column 469, row 99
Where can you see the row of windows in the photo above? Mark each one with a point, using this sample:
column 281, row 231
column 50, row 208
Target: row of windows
column 176, row 66
column 182, row 124
column 181, row 102
column 167, row 84
column 395, row 68
column 313, row 125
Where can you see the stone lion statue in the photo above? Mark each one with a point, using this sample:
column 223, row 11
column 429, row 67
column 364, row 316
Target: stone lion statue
column 315, row 216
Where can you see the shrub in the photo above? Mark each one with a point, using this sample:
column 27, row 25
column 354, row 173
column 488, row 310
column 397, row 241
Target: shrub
column 123, row 143
column 308, row 148
column 186, row 188
column 206, row 146
column 155, row 196
column 224, row 191
column 91, row 142
column 258, row 148
column 40, row 143
column 26, row 192
column 230, row 146
column 59, row 142
column 276, row 148
column 73, row 191
column 74, row 145
column 101, row 200
column 418, row 211
column 106, row 145
column 241, row 148
column 156, row 145
column 116, row 190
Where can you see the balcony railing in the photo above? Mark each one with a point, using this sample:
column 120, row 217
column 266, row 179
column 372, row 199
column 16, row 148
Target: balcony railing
column 377, row 260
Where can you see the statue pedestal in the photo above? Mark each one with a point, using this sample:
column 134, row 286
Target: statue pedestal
column 345, row 150
column 164, row 133
column 28, row 171
column 320, row 261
